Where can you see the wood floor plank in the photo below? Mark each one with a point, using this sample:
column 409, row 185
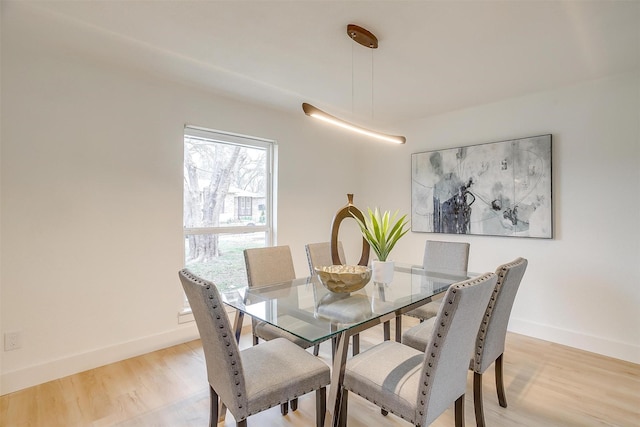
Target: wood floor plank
column 547, row 384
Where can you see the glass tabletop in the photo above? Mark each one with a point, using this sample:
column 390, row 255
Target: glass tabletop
column 305, row 308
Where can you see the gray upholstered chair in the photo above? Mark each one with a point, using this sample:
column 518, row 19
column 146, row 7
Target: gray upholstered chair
column 319, row 254
column 419, row 386
column 491, row 335
column 266, row 266
column 255, row 379
column 444, row 257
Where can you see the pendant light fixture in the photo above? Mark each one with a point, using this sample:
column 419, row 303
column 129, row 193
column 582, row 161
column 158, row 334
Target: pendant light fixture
column 368, row 40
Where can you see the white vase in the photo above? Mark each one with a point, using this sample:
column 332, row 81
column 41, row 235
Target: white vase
column 382, row 271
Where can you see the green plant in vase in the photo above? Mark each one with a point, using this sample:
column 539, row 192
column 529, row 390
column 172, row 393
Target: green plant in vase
column 382, row 231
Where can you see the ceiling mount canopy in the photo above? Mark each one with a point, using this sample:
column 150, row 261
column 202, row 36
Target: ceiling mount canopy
column 362, row 36
column 368, row 40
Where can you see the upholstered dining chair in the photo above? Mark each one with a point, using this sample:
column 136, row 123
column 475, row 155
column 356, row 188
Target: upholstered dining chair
column 444, row 257
column 491, row 335
column 266, row 266
column 254, row 379
column 419, row 386
column 319, row 255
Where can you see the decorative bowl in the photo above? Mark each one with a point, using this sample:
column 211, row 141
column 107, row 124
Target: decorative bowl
column 344, row 278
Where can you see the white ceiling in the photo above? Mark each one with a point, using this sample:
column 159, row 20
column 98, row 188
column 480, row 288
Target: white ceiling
column 434, row 56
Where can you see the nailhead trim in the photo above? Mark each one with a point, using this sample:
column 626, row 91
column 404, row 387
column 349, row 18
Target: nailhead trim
column 237, row 362
column 501, row 272
column 384, row 408
column 233, row 354
column 264, row 408
column 433, row 357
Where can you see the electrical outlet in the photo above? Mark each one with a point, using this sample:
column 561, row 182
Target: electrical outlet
column 12, row 341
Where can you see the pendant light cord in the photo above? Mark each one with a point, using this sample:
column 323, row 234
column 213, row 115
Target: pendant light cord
column 371, row 83
column 353, row 109
column 368, row 40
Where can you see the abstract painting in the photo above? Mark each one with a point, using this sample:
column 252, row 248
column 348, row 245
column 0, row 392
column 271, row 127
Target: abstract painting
column 498, row 189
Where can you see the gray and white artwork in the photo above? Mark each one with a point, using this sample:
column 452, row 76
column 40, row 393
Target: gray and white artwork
column 499, row 189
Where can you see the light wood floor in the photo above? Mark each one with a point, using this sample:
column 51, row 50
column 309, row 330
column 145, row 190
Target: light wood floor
column 547, row 385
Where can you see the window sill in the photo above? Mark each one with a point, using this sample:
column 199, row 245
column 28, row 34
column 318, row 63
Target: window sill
column 185, row 316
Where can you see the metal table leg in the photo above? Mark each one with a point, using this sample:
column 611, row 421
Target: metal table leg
column 337, row 376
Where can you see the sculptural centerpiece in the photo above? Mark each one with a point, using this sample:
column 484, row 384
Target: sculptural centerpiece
column 340, row 278
column 344, row 278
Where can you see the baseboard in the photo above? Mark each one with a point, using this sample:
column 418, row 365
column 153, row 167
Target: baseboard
column 582, row 341
column 38, row 374
column 54, row 369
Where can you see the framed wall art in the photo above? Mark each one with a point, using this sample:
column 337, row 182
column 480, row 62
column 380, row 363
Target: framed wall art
column 497, row 189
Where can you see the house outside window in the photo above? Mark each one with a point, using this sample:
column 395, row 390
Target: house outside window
column 228, row 202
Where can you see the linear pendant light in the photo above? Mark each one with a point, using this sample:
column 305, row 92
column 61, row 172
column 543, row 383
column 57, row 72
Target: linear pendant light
column 368, row 40
column 317, row 113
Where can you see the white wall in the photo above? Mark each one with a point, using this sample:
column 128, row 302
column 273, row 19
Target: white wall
column 581, row 288
column 92, row 203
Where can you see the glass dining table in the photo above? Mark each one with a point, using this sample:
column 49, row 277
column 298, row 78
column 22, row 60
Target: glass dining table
column 305, row 308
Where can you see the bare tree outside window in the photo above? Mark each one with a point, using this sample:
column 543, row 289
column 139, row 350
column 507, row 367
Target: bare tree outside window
column 227, row 192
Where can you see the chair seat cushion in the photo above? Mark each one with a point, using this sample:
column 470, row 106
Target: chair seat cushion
column 278, row 371
column 419, row 336
column 269, row 332
column 426, row 311
column 387, row 374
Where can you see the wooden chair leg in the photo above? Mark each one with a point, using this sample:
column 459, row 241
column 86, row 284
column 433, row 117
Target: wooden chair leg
column 284, row 408
column 477, row 399
column 344, row 404
column 294, row 404
column 398, row 328
column 316, row 349
column 213, row 415
column 502, row 397
column 321, row 406
column 459, row 411
column 355, row 342
column 242, row 423
column 255, row 340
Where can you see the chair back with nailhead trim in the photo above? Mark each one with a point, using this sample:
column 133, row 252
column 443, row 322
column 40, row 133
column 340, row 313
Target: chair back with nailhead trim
column 444, row 373
column 222, row 356
column 493, row 329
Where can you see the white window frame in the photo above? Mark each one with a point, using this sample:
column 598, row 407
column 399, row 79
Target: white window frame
column 271, row 148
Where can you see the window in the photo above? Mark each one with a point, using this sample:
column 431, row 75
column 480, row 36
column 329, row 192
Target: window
column 228, row 202
column 244, row 207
